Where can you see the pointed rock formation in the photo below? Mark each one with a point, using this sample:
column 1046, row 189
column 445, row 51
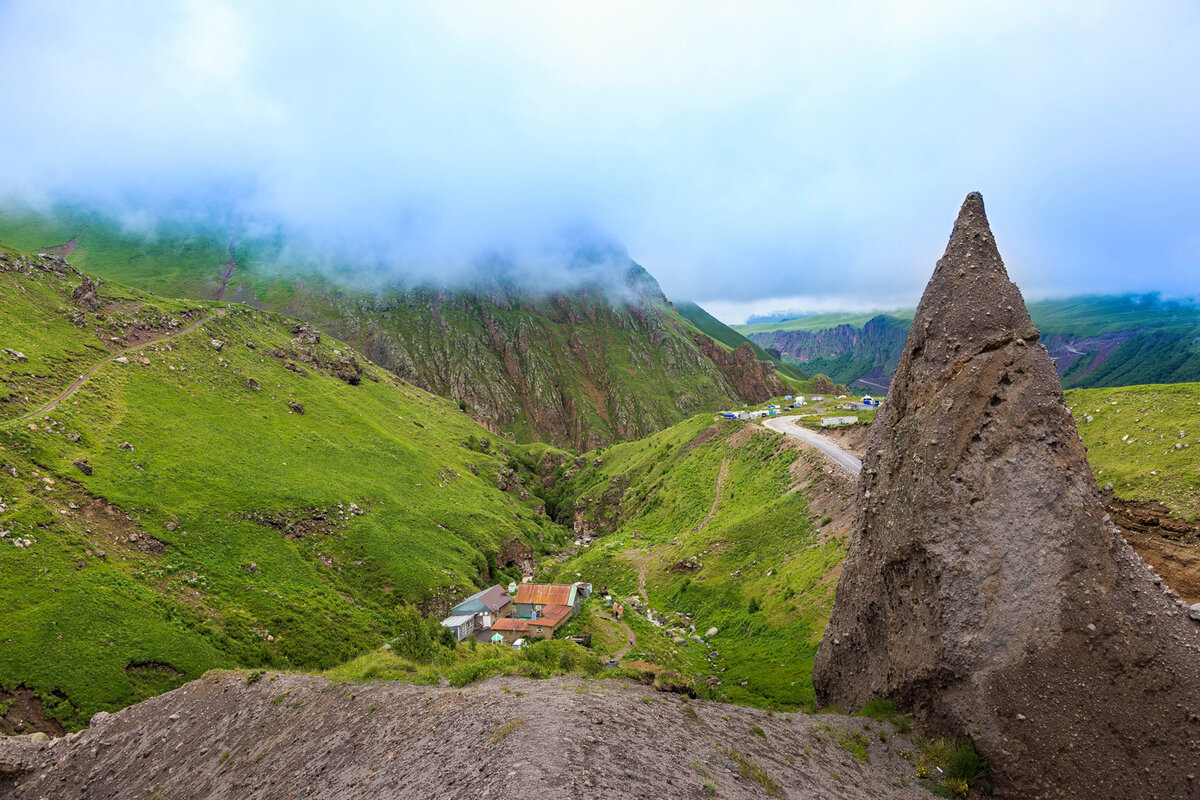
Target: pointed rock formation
column 985, row 590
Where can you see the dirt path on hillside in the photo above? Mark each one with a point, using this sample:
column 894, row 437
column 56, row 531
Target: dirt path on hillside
column 79, row 382
column 227, row 269
column 722, row 476
column 630, row 638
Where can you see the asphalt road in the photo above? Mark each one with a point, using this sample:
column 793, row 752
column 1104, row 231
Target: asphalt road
column 789, row 427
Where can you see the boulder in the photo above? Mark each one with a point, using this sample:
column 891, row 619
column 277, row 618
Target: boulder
column 86, row 294
column 984, row 590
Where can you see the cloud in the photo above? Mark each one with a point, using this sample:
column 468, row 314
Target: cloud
column 774, row 150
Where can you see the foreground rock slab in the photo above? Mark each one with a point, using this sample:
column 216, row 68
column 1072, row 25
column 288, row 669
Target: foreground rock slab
column 299, row 736
column 985, row 589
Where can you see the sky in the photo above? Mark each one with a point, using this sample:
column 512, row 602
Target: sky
column 753, row 157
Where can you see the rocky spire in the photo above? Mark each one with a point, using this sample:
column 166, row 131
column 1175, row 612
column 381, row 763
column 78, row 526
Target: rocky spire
column 985, row 589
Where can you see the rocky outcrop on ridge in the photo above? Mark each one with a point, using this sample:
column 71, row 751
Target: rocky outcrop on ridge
column 754, row 380
column 300, row 736
column 985, row 588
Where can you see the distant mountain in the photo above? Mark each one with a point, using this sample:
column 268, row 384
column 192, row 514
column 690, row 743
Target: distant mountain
column 609, row 359
column 1095, row 341
column 727, row 336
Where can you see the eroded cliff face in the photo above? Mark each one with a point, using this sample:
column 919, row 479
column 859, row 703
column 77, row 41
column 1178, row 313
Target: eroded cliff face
column 581, row 369
column 755, row 381
column 985, row 588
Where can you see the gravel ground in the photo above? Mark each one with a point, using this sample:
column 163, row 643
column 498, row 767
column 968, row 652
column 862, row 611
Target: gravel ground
column 297, row 736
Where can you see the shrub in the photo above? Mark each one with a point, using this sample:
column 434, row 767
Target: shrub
column 967, row 765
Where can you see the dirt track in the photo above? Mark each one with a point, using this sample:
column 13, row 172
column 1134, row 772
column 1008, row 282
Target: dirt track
column 299, row 737
column 82, row 379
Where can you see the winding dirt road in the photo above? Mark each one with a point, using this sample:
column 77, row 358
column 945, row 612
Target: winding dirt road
column 789, row 426
column 82, row 379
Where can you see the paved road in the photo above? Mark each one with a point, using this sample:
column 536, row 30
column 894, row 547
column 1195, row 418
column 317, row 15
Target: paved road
column 843, row 458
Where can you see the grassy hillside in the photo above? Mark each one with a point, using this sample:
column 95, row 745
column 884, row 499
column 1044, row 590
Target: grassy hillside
column 755, row 562
column 823, row 322
column 580, row 369
column 1090, row 315
column 708, row 324
column 1145, row 440
column 239, row 494
column 1097, row 341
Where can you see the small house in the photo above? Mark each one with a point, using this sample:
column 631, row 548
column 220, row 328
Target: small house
column 462, row 625
column 486, row 606
column 834, row 422
column 534, row 598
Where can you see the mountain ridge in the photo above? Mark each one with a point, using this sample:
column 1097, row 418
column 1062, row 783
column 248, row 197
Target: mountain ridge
column 1095, row 341
column 610, row 359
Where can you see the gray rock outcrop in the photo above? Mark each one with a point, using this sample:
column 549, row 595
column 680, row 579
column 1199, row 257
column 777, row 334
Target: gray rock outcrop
column 985, row 589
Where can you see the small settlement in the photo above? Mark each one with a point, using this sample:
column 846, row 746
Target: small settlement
column 530, row 610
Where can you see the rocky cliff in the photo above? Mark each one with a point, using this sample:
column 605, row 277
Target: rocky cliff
column 581, row 369
column 596, row 356
column 1096, row 341
column 754, row 380
column 985, row 589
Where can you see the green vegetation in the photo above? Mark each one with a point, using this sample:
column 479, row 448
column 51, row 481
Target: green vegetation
column 1161, row 356
column 1098, row 314
column 506, row 728
column 708, row 324
column 963, row 768
column 825, row 321
column 1161, row 344
column 853, row 742
column 882, row 710
column 462, row 665
column 752, row 564
column 577, row 370
column 213, row 524
column 1090, row 315
column 753, row 772
column 1145, row 441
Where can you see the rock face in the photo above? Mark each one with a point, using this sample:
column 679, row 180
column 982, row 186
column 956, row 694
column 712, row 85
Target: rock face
column 86, row 294
column 985, row 589
column 754, row 380
column 221, row 738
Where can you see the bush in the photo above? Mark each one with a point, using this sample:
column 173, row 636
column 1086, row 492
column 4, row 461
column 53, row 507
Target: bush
column 414, row 635
column 967, row 765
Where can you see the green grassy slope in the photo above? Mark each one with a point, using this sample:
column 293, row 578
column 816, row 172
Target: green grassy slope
column 1090, row 315
column 1125, row 340
column 580, row 369
column 764, row 565
column 823, row 322
column 215, row 527
column 708, row 324
column 1131, row 434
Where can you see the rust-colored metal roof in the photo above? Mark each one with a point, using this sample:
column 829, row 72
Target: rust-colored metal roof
column 544, row 594
column 550, row 616
column 510, row 624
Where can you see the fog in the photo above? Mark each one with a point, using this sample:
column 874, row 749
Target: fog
column 751, row 157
